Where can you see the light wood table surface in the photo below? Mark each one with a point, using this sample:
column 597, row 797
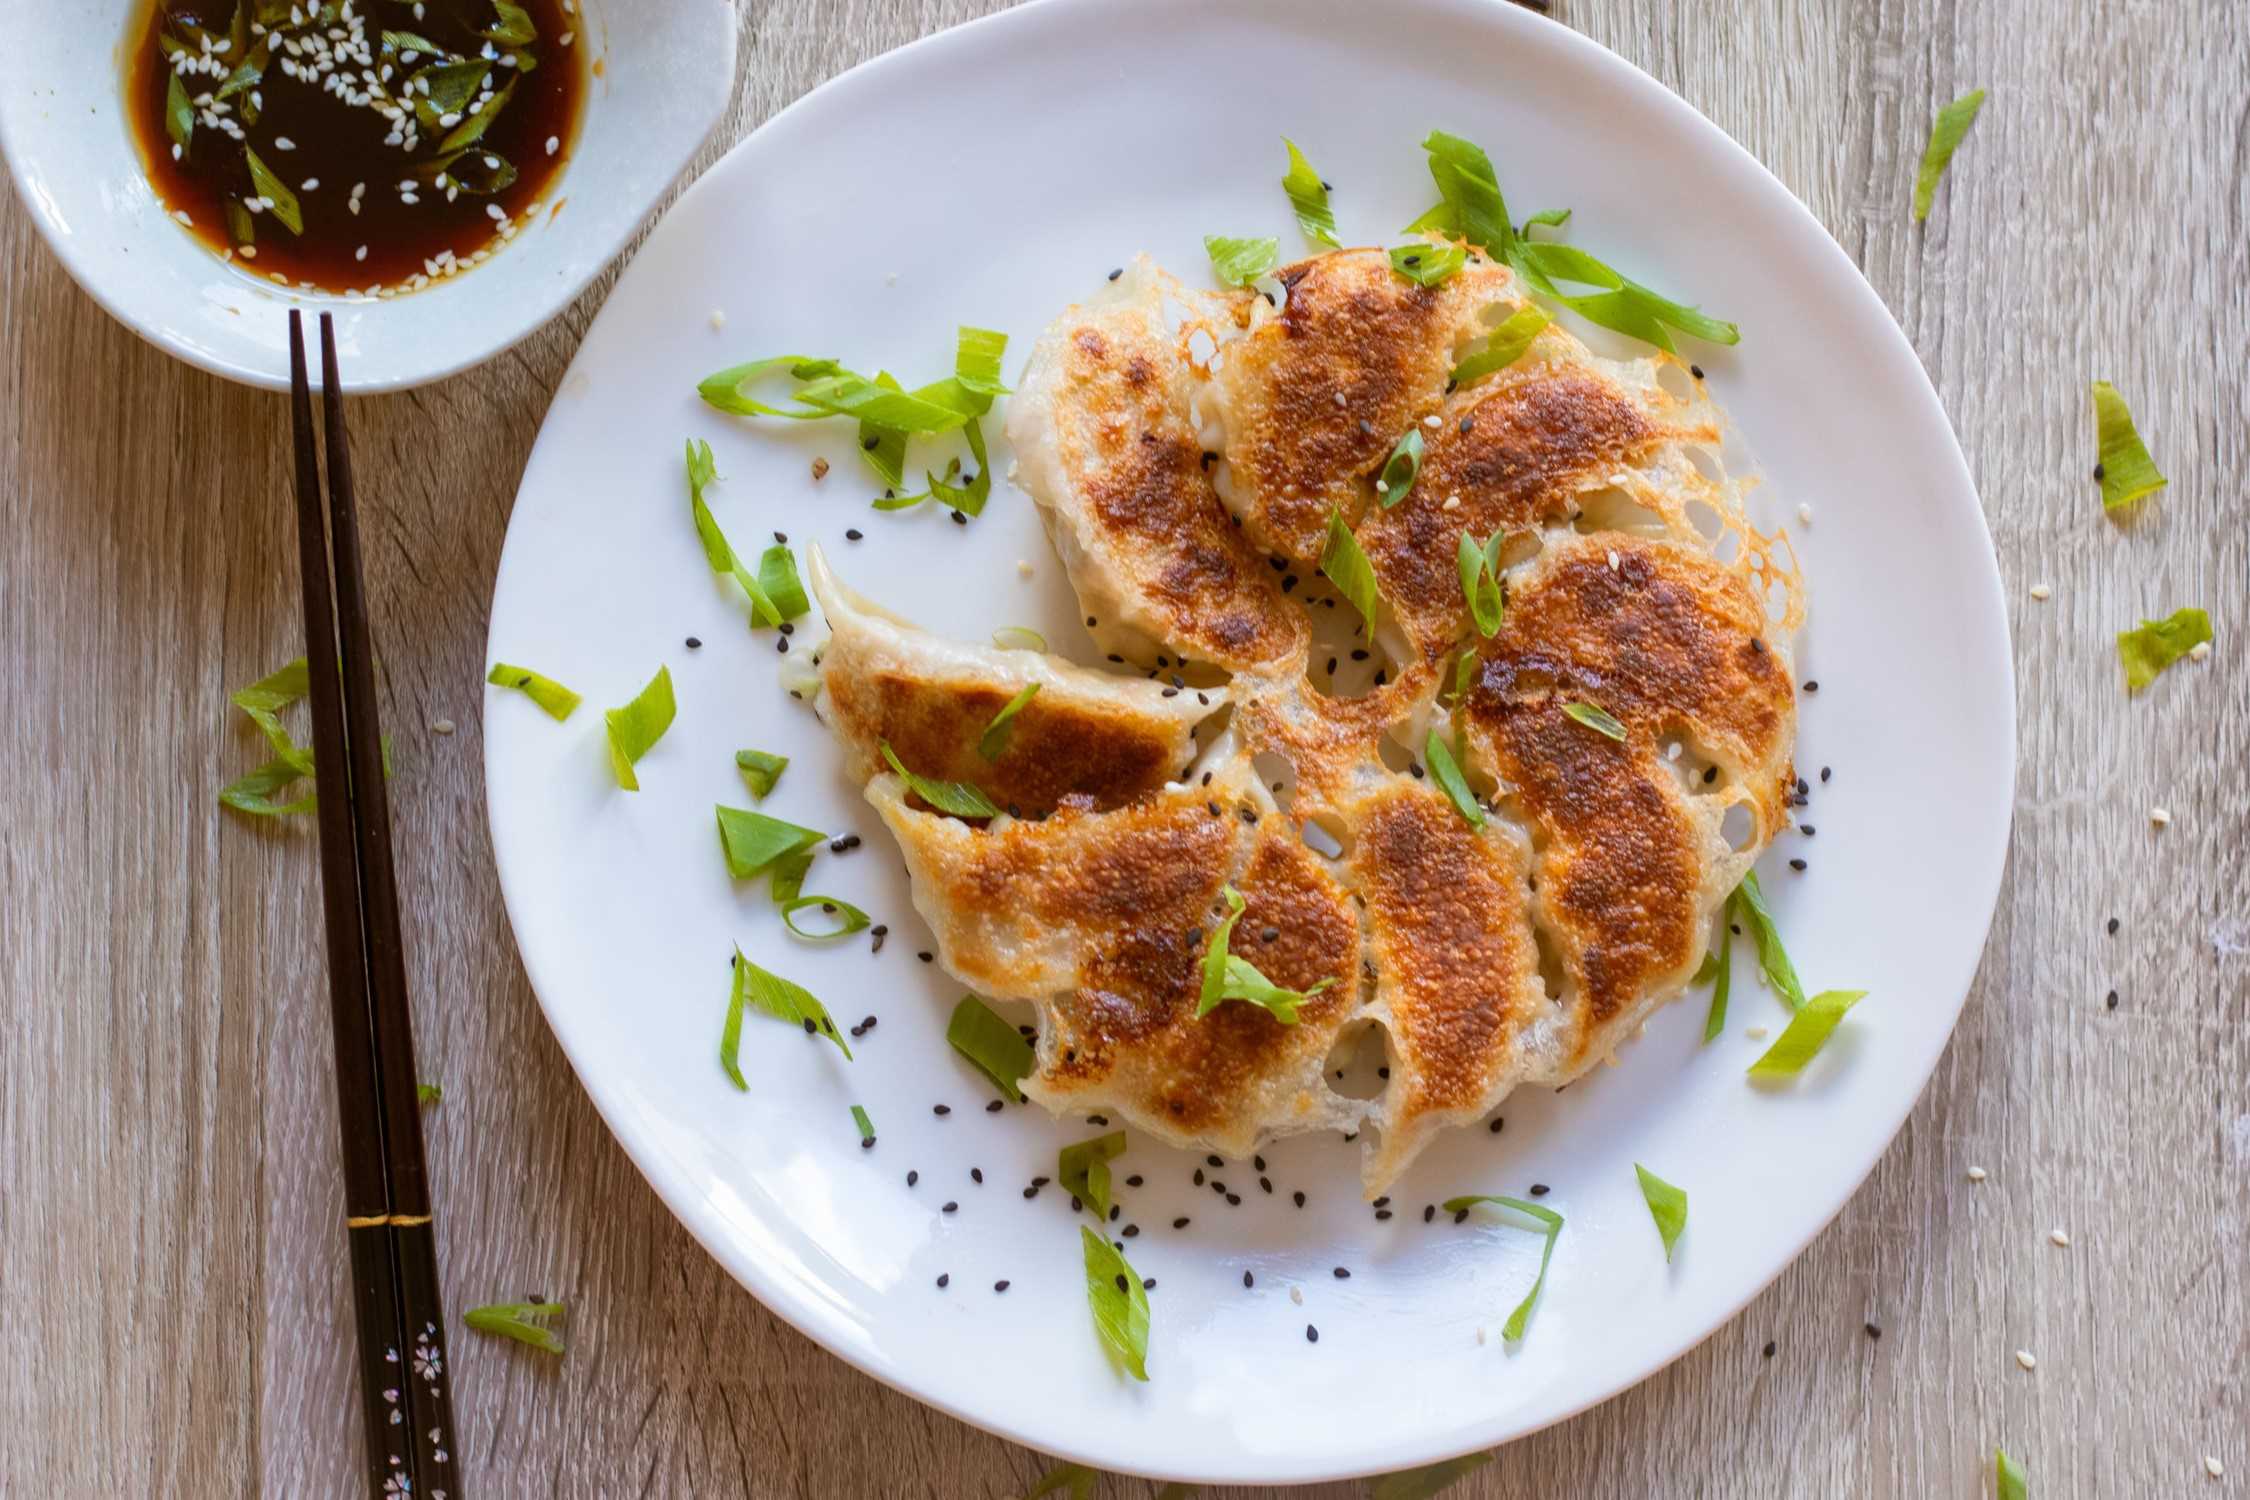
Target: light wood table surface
column 171, row 1274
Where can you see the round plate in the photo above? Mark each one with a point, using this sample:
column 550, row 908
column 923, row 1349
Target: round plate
column 992, row 175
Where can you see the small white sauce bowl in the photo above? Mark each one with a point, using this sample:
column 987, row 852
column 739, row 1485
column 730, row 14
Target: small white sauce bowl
column 665, row 73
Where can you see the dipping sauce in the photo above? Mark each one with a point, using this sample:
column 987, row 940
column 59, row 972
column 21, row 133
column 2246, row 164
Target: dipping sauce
column 360, row 147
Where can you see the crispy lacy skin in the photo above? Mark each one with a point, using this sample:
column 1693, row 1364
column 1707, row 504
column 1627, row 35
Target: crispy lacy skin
column 1315, row 397
column 1630, row 866
column 1331, row 743
column 1103, row 442
column 1456, row 970
column 1513, row 451
column 1102, row 919
column 1090, row 734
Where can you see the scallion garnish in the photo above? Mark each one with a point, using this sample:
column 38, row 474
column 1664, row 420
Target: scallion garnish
column 1120, row 1306
column 1552, row 218
column 1503, row 346
column 760, row 769
column 1446, row 772
column 1076, row 1478
column 1472, row 209
column 764, row 608
column 1344, row 563
column 1400, row 470
column 513, row 28
column 254, row 791
column 999, row 1051
column 785, row 1001
column 280, row 202
column 1719, row 964
column 1238, row 262
column 777, row 576
column 179, row 111
column 2156, row 644
column 1667, row 1205
column 2124, row 468
column 849, row 918
column 639, row 725
column 2008, row 1479
column 753, row 841
column 1480, row 583
column 1952, row 123
column 730, row 1034
column 549, row 694
column 263, row 702
column 1308, row 195
column 1426, row 264
column 1018, row 638
column 994, row 740
column 955, row 797
column 788, row 879
column 976, row 360
column 428, row 1093
column 1428, row 1481
column 1773, row 958
column 1600, row 720
column 1083, row 1170
column 866, row 1126
column 1229, row 976
column 1547, row 1217
column 1807, row 1031
column 525, row 1322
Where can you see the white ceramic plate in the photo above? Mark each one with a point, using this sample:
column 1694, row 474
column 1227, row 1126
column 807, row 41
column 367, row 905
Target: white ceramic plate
column 664, row 78
column 992, row 175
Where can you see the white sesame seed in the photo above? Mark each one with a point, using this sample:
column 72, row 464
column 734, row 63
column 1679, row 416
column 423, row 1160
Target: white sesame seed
column 1452, row 502
column 2161, row 817
column 408, row 198
column 360, row 253
column 175, row 151
column 1297, row 1295
column 1976, row 1174
column 2060, row 1237
column 2213, row 1467
column 249, row 252
column 1480, row 1333
column 496, row 213
column 1755, row 1033
column 1804, row 514
column 2023, row 1357
column 566, row 38
column 283, row 143
column 182, row 215
column 2040, row 591
column 718, row 319
column 1433, row 421
column 1023, row 567
column 309, row 185
column 1613, row 561
column 554, row 144
column 2200, row 651
column 1672, row 751
column 441, row 726
column 1339, row 396
column 1382, row 486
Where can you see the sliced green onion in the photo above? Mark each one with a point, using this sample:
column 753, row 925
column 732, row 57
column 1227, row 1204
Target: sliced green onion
column 280, row 202
column 866, row 1126
column 179, row 111
column 726, row 389
column 994, row 740
column 1952, row 123
column 1238, row 262
column 1773, row 958
column 1446, row 772
column 525, row 1322
column 2008, row 1479
column 1426, row 264
column 955, row 797
column 1120, row 1305
column 976, row 360
column 254, row 792
column 848, row 394
column 637, row 726
column 1345, row 564
column 1667, row 1205
column 1308, row 195
column 884, row 448
column 777, row 576
column 1083, row 1170
column 428, row 1093
column 1719, row 963
column 1229, row 976
column 1471, row 207
column 849, row 918
column 1463, row 666
column 1552, row 218
column 549, row 694
column 1018, row 638
column 1553, row 1223
column 1619, row 302
column 1400, row 470
column 753, row 841
column 1427, row 1481
column 764, row 609
column 472, row 127
column 999, row 1051
column 1480, row 583
column 1600, row 720
column 2125, row 470
column 264, row 700
column 784, row 1001
column 1504, row 346
column 2156, row 644
column 760, row 769
column 730, row 1035
column 787, row 882
column 1076, row 1478
column 1807, row 1031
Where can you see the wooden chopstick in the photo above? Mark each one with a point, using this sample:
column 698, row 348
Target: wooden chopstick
column 405, row 1385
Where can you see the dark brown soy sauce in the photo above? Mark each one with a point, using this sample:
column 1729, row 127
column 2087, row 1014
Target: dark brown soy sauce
column 304, row 134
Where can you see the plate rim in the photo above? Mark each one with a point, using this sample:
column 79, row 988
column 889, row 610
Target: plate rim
column 1889, row 346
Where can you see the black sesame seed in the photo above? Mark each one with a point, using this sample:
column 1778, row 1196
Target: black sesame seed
column 1214, row 1161
column 945, row 1278
column 2111, row 1001
column 1342, row 1274
column 1466, row 424
column 1414, row 767
column 1199, row 1177
column 912, row 1178
column 993, row 1108
column 1298, row 1199
column 1797, row 865
column 1757, row 645
column 1114, row 1211
column 950, row 1207
column 1171, row 692
column 1498, row 1125
column 1696, row 371
column 1824, row 773
column 1131, row 1231
column 1806, row 829
column 853, row 533
column 959, row 519
column 1874, row 1332
column 1312, row 1334
column 1119, row 271
column 695, row 643
column 781, row 645
column 1769, row 1348
column 1382, row 1072
column 1710, row 774
column 1266, row 1184
column 1148, row 1284
column 2100, row 473
column 871, row 442
column 1429, row 1212
column 976, row 1174
column 1180, row 1223
column 925, row 955
column 1031, row 1192
column 1460, row 1216
column 810, row 1029
column 867, row 1143
column 1539, row 1190
column 2113, row 926
column 1001, row 1285
column 1246, row 1279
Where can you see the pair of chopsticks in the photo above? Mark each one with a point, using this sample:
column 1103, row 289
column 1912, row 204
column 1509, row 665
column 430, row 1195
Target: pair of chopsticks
column 405, row 1395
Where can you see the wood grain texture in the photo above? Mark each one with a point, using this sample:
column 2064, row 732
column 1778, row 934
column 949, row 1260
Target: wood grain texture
column 171, row 1279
